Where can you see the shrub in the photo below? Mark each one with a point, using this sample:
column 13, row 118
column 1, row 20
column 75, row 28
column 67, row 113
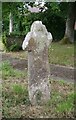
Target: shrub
column 14, row 47
column 4, row 40
column 12, row 42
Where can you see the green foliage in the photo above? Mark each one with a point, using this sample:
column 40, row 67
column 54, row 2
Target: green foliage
column 12, row 42
column 54, row 23
column 4, row 39
column 5, row 42
column 17, row 34
column 54, row 17
column 14, row 47
column 17, row 14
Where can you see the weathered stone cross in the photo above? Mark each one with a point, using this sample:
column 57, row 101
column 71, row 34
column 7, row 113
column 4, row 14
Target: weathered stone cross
column 37, row 42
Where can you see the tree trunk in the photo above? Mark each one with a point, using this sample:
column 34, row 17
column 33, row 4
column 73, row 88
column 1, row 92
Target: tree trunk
column 70, row 23
column 10, row 23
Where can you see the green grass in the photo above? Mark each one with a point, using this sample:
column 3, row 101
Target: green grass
column 16, row 101
column 62, row 104
column 58, row 54
column 8, row 71
column 68, row 104
column 61, row 54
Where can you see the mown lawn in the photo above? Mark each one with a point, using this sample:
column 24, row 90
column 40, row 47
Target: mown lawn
column 58, row 54
column 16, row 102
column 61, row 54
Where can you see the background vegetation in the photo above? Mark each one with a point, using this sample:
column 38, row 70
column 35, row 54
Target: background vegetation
column 54, row 17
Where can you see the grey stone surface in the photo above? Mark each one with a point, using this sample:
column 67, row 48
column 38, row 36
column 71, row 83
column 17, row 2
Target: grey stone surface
column 37, row 42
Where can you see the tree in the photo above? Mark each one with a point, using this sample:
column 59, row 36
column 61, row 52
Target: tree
column 10, row 23
column 70, row 23
column 11, row 15
column 53, row 17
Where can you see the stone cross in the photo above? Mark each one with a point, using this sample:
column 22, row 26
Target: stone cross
column 37, row 42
